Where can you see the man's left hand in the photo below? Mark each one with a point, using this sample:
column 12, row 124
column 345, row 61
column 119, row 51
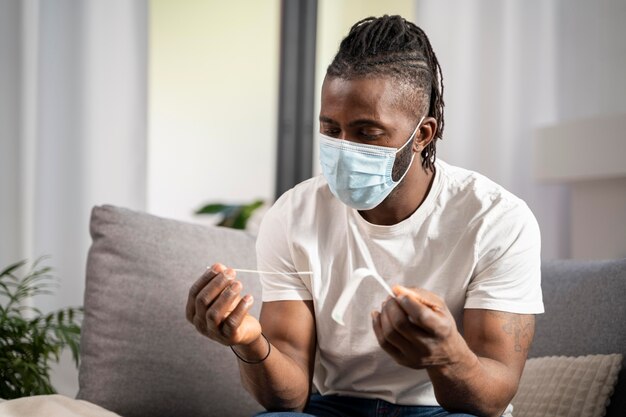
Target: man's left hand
column 417, row 329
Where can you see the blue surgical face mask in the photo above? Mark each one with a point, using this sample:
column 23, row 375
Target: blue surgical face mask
column 360, row 175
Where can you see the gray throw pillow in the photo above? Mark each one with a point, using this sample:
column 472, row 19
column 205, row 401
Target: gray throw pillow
column 567, row 386
column 140, row 357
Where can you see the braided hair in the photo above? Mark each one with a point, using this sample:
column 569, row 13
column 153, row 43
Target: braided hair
column 392, row 46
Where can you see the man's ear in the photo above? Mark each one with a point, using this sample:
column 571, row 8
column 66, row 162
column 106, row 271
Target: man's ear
column 425, row 134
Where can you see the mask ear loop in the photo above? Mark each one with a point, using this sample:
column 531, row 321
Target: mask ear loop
column 412, row 153
column 412, row 134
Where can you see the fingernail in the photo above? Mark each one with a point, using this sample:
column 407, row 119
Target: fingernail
column 248, row 299
column 405, row 300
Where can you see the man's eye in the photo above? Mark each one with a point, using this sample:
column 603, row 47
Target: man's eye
column 333, row 133
column 371, row 134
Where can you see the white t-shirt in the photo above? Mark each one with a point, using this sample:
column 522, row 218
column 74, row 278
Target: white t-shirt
column 471, row 242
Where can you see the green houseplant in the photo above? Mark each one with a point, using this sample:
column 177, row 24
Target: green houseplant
column 235, row 216
column 29, row 339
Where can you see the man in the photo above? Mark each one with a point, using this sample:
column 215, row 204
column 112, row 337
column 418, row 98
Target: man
column 461, row 253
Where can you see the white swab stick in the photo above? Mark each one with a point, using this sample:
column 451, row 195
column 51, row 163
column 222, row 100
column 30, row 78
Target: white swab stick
column 273, row 273
column 254, row 271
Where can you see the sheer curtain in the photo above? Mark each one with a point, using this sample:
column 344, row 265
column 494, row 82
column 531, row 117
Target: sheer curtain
column 72, row 130
column 511, row 67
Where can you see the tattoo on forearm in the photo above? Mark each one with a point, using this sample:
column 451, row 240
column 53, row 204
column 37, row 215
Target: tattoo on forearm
column 522, row 327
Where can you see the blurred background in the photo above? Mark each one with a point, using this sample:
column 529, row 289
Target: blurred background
column 164, row 106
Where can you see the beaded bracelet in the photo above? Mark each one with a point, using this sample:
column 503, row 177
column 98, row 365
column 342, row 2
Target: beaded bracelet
column 269, row 350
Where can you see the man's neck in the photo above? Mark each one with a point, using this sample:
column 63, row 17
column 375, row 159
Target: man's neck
column 404, row 200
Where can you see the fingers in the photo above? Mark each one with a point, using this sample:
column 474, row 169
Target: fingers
column 217, row 310
column 427, row 311
column 235, row 318
column 435, row 323
column 396, row 327
column 207, row 276
column 404, row 341
column 420, row 295
column 412, row 332
column 222, row 306
column 424, row 308
column 211, row 291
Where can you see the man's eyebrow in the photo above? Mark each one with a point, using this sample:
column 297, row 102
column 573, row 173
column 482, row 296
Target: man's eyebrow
column 355, row 123
column 325, row 119
column 367, row 122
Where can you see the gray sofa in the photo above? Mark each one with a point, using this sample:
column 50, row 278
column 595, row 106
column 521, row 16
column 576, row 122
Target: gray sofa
column 141, row 358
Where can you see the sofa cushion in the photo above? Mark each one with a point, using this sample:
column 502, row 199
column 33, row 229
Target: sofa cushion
column 139, row 355
column 51, row 406
column 560, row 386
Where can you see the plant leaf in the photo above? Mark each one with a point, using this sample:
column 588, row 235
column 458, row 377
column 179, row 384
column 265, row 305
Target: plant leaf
column 9, row 269
column 213, row 208
column 246, row 212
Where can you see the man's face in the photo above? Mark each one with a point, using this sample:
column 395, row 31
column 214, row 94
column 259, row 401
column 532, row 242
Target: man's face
column 369, row 111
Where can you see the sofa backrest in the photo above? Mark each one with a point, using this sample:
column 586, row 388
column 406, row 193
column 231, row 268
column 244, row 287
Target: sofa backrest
column 140, row 357
column 585, row 303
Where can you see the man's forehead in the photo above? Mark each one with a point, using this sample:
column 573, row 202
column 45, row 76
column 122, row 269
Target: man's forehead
column 370, row 87
column 372, row 97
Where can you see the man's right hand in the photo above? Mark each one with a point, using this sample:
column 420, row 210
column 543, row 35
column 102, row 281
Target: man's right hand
column 280, row 380
column 217, row 310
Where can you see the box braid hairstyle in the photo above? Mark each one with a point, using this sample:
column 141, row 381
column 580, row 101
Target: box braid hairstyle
column 392, row 46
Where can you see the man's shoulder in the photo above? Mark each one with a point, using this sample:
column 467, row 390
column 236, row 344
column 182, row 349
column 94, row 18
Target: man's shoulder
column 306, row 197
column 478, row 197
column 315, row 187
column 464, row 183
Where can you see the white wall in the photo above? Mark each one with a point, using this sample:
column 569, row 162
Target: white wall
column 599, row 219
column 212, row 104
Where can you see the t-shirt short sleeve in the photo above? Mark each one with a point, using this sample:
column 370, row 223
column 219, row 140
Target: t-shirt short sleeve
column 274, row 254
column 508, row 269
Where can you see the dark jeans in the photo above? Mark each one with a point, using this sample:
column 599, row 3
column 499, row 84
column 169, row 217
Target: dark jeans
column 339, row 406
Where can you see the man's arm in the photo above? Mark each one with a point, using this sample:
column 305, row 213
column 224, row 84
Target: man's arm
column 498, row 345
column 478, row 373
column 282, row 381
